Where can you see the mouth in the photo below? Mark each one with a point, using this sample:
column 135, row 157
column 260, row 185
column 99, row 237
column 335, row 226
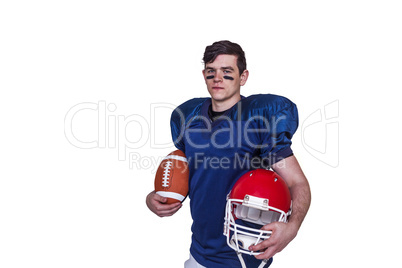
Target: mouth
column 217, row 88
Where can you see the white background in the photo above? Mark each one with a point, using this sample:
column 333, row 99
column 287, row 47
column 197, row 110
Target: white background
column 65, row 206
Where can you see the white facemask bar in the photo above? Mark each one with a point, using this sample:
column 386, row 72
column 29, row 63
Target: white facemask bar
column 242, row 231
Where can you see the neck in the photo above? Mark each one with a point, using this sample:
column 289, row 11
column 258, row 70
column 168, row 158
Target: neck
column 220, row 106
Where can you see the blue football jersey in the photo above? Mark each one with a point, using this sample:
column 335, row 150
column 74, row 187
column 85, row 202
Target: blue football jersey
column 254, row 133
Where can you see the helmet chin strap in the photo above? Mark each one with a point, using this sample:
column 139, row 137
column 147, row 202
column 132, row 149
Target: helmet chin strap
column 243, row 265
column 244, row 242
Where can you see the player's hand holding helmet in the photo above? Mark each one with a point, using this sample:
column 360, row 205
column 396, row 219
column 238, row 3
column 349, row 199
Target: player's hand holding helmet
column 259, row 197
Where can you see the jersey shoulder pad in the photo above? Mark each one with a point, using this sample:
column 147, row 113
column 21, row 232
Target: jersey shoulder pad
column 180, row 116
column 187, row 109
column 267, row 102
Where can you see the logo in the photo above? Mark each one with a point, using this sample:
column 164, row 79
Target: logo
column 320, row 134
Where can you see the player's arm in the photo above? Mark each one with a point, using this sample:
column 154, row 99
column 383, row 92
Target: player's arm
column 292, row 173
column 156, row 204
column 282, row 233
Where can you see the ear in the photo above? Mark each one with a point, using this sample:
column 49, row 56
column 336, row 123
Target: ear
column 243, row 77
column 203, row 74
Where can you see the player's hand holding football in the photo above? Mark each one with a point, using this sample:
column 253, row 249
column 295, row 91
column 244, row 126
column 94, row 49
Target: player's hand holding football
column 282, row 234
column 157, row 204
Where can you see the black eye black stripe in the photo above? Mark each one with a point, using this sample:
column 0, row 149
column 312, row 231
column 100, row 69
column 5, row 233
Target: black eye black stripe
column 225, row 77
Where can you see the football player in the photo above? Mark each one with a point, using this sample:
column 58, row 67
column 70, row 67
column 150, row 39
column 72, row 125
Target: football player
column 224, row 137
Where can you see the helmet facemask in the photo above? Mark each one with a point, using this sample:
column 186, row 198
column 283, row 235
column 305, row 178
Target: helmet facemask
column 245, row 217
column 254, row 210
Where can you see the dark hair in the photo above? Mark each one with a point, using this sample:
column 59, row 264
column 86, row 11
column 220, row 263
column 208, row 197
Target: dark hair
column 228, row 48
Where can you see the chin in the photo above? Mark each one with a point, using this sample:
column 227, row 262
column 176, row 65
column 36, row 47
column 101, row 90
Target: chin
column 217, row 95
column 218, row 98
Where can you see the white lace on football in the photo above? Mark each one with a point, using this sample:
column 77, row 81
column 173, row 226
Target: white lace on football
column 166, row 173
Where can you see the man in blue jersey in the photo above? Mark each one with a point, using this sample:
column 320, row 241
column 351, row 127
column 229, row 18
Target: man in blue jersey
column 223, row 137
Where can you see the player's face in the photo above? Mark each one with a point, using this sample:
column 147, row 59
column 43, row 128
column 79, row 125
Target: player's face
column 224, row 81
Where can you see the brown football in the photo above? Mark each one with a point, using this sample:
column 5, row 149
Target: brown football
column 171, row 179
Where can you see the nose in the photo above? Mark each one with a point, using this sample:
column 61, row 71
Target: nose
column 218, row 76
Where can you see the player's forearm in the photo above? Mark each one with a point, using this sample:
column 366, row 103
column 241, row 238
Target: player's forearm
column 290, row 170
column 301, row 199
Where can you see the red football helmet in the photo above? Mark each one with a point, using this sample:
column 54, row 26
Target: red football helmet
column 260, row 196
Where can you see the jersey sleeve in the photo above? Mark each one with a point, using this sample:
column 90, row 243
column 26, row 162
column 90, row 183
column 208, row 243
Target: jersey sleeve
column 282, row 121
column 177, row 122
column 180, row 118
